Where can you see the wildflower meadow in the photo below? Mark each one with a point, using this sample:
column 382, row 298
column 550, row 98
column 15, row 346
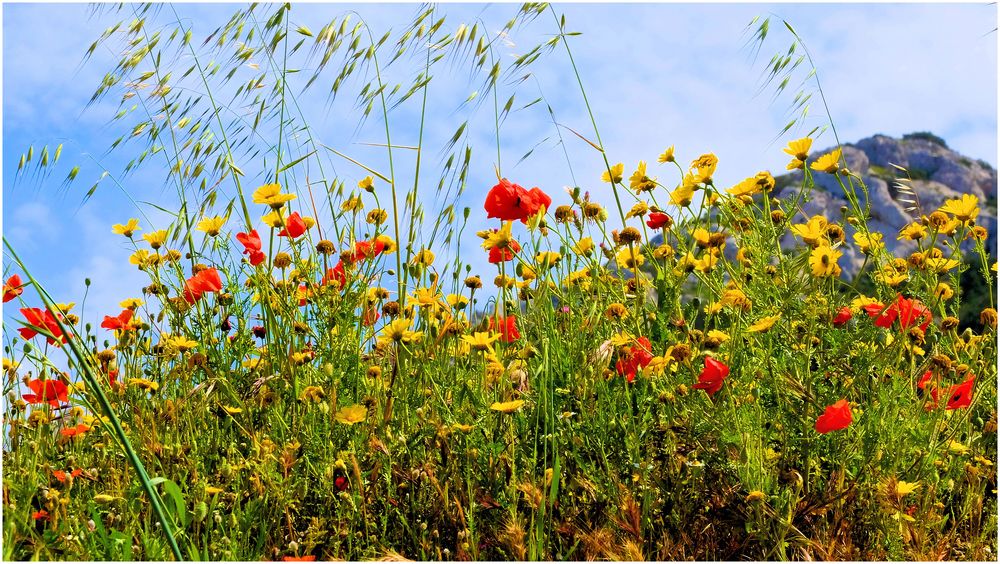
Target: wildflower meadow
column 329, row 360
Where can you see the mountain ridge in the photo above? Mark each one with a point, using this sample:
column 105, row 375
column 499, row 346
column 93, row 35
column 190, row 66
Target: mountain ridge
column 936, row 173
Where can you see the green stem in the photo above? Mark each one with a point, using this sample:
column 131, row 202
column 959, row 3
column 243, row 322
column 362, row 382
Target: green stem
column 93, row 383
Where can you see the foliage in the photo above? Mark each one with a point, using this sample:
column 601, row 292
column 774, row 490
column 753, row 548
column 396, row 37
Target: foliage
column 312, row 383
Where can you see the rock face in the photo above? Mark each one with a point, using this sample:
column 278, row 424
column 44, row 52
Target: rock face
column 937, row 174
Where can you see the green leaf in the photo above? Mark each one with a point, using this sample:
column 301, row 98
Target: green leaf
column 296, row 161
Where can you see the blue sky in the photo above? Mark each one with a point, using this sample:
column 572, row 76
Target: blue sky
column 656, row 75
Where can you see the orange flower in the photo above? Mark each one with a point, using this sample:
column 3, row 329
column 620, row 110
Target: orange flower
column 638, row 357
column 508, row 201
column 659, row 220
column 908, row 311
column 252, row 244
column 498, row 255
column 61, row 475
column 836, row 417
column 507, row 327
column 52, row 392
column 960, row 395
column 367, row 249
column 74, row 431
column 12, row 288
column 205, row 281
column 842, row 317
column 295, row 226
column 928, row 384
column 370, row 316
column 712, row 376
column 121, row 322
column 41, row 319
column 336, row 274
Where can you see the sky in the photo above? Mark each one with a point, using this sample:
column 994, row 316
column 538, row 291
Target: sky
column 655, row 74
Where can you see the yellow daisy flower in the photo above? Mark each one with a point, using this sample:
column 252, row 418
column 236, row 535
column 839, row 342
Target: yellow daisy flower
column 616, row 174
column 211, row 225
column 829, row 163
column 126, row 229
column 271, row 195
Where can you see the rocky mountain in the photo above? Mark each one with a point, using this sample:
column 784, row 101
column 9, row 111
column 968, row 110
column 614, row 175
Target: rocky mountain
column 937, row 174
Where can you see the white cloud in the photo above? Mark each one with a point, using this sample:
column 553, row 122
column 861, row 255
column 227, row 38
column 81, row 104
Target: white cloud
column 35, row 224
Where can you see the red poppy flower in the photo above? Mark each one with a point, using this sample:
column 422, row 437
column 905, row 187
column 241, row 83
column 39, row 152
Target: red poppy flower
column 295, row 226
column 366, row 250
column 205, row 281
column 507, row 327
column 874, row 309
column 908, row 311
column 507, row 201
column 657, row 220
column 842, row 317
column 62, row 476
column 539, row 200
column 927, row 386
column 306, row 558
column 498, row 255
column 336, row 274
column 370, row 316
column 304, row 294
column 712, row 376
column 41, row 514
column 12, row 288
column 113, row 378
column 911, row 312
column 52, row 392
column 836, row 417
column 960, row 395
column 252, row 246
column 74, row 431
column 121, row 322
column 638, row 356
column 41, row 319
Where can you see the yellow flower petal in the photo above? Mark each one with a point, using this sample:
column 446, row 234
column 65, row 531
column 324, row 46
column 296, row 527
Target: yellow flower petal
column 507, row 406
column 352, row 414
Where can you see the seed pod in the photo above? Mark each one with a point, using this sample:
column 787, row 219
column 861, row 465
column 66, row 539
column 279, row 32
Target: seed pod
column 200, row 511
